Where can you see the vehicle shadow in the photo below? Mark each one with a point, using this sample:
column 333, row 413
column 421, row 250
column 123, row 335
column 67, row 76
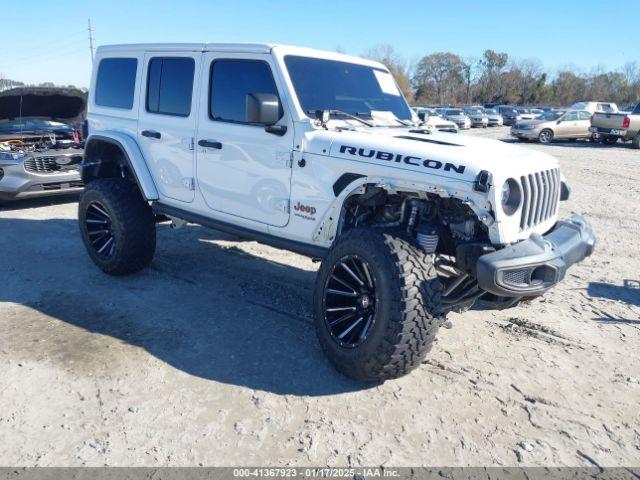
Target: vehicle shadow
column 628, row 293
column 208, row 306
column 38, row 202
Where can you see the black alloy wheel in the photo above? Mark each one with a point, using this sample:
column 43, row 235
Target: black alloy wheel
column 99, row 228
column 350, row 301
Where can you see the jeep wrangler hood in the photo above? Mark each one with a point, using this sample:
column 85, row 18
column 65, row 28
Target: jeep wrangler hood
column 456, row 156
column 67, row 105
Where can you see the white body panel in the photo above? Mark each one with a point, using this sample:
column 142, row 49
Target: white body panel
column 250, row 175
column 170, row 157
column 255, row 180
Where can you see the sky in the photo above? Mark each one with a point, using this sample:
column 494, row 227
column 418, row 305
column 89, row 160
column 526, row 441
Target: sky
column 44, row 41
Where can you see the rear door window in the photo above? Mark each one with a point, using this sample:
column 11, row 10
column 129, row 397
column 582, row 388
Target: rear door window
column 170, row 86
column 584, row 116
column 116, row 82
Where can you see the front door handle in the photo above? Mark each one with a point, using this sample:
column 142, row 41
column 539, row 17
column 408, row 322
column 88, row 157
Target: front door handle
column 151, row 134
column 210, row 144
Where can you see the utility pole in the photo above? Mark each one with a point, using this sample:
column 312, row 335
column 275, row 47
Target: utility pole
column 90, row 39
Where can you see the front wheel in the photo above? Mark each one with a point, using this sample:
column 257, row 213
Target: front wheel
column 117, row 226
column 545, row 136
column 377, row 305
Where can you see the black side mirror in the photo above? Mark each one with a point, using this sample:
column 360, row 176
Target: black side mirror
column 422, row 116
column 263, row 108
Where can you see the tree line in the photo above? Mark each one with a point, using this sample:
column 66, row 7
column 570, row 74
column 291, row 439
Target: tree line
column 447, row 78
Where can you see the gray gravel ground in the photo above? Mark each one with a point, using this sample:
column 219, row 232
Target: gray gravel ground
column 209, row 357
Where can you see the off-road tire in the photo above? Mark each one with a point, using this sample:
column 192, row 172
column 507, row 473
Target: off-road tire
column 608, row 140
column 407, row 314
column 635, row 143
column 131, row 221
column 545, row 136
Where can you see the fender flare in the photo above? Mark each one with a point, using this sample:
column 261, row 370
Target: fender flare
column 132, row 155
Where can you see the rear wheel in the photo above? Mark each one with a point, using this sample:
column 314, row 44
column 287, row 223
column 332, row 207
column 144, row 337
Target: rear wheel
column 635, row 143
column 377, row 305
column 545, row 136
column 117, row 226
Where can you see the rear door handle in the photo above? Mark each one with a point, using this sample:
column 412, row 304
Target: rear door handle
column 151, row 134
column 210, row 144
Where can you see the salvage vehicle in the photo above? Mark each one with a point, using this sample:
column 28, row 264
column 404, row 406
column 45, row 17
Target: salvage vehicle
column 319, row 153
column 509, row 114
column 477, row 117
column 593, row 107
column 554, row 125
column 40, row 141
column 431, row 119
column 525, row 113
column 457, row 116
column 494, row 119
column 611, row 127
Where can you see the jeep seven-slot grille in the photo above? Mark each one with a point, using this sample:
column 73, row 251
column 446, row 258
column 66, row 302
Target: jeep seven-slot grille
column 52, row 164
column 541, row 194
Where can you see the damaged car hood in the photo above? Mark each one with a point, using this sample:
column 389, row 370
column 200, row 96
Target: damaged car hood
column 66, row 105
column 422, row 151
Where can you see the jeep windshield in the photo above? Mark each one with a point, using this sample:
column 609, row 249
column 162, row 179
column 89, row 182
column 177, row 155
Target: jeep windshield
column 357, row 90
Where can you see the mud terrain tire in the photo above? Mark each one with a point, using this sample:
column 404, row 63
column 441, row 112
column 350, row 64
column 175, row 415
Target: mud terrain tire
column 407, row 305
column 116, row 206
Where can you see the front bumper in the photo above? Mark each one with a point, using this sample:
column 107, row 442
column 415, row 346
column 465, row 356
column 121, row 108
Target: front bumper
column 17, row 183
column 530, row 134
column 533, row 266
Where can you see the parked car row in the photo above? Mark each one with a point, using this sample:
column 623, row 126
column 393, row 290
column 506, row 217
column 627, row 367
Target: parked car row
column 594, row 121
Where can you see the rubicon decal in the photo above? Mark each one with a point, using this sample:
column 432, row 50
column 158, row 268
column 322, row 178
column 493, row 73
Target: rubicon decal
column 397, row 158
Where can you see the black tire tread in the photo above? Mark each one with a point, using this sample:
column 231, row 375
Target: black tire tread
column 411, row 330
column 132, row 216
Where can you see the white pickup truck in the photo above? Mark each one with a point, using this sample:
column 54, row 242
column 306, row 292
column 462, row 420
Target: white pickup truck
column 320, row 154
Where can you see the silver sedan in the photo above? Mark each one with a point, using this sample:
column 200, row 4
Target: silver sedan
column 554, row 125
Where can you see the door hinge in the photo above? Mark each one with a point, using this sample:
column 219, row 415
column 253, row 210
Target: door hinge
column 290, row 160
column 189, row 183
column 192, row 144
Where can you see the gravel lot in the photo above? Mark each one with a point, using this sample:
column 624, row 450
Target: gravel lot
column 209, row 357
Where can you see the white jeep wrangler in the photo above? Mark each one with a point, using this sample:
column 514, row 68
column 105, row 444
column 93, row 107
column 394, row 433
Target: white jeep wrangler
column 319, row 153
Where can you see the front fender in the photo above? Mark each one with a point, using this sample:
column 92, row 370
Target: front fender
column 327, row 229
column 132, row 155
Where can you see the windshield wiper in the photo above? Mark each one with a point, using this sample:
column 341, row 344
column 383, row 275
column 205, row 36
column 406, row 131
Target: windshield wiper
column 345, row 114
